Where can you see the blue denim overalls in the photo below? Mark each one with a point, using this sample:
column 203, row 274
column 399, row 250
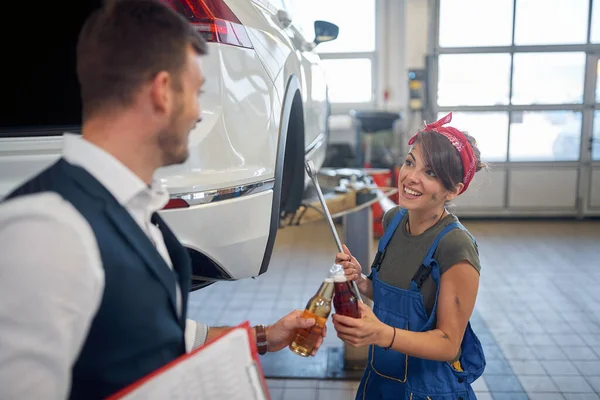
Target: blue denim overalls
column 393, row 375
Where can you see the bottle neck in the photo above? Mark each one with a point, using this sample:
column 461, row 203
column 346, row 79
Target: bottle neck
column 326, row 290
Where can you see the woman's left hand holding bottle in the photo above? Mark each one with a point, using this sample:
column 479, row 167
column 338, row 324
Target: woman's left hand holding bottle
column 363, row 331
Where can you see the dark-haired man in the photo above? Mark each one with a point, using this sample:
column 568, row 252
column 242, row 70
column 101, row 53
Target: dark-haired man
column 94, row 285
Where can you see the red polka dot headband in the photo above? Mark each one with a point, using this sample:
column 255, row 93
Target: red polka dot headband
column 460, row 143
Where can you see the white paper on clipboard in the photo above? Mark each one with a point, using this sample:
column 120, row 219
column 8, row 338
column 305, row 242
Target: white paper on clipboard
column 226, row 368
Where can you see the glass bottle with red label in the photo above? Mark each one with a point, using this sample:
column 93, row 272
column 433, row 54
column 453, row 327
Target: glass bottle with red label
column 344, row 300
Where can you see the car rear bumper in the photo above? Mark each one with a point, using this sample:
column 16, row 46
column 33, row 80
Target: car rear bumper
column 230, row 231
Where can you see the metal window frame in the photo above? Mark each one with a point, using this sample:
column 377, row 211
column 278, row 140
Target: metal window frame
column 344, row 108
column 587, row 108
column 592, row 105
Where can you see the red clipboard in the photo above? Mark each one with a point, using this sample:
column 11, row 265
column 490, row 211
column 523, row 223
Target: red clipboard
column 224, row 354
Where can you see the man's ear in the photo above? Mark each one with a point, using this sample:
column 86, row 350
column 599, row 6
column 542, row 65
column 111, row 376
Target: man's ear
column 160, row 92
column 452, row 194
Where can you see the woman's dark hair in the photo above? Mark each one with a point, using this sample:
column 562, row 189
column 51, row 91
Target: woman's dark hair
column 443, row 158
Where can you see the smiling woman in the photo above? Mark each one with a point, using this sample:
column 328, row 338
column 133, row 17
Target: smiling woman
column 445, row 163
column 424, row 279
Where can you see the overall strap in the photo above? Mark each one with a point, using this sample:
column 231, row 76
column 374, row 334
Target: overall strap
column 385, row 239
column 425, row 268
column 439, row 237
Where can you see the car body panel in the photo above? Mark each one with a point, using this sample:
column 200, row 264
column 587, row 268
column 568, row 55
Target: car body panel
column 232, row 233
column 236, row 141
column 285, row 52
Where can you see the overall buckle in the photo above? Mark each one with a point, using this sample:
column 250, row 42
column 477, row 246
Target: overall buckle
column 378, row 260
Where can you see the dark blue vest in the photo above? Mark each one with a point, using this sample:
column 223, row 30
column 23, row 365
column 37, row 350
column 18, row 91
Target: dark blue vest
column 136, row 329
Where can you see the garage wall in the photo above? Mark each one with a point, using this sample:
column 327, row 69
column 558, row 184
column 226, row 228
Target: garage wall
column 402, row 40
column 417, row 27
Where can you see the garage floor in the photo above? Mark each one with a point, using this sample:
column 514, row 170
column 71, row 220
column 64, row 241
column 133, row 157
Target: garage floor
column 537, row 313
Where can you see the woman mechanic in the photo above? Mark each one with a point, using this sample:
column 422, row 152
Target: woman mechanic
column 424, row 280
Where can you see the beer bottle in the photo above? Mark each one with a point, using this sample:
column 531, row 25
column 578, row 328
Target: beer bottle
column 318, row 307
column 344, row 300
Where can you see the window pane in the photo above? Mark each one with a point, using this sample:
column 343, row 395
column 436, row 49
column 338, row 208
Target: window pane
column 490, row 129
column 545, row 136
column 492, row 25
column 551, row 22
column 356, row 22
column 596, row 137
column 349, row 80
column 595, row 34
column 548, row 78
column 473, row 79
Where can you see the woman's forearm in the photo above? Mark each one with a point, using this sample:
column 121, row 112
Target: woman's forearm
column 430, row 345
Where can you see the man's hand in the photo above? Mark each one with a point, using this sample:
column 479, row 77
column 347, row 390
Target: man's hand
column 281, row 333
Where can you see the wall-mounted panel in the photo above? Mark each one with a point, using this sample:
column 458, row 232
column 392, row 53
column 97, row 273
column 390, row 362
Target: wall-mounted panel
column 543, row 188
column 486, row 191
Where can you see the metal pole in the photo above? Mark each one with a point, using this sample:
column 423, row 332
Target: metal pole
column 311, row 171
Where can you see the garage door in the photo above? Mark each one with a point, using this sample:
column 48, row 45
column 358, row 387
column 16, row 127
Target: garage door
column 522, row 77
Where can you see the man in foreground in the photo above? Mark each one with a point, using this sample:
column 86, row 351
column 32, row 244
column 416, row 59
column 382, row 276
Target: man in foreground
column 94, row 287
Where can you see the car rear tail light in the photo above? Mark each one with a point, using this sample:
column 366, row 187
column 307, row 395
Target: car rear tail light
column 176, row 203
column 214, row 20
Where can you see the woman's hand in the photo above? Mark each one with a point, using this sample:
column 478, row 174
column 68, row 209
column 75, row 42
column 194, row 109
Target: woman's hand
column 352, row 268
column 363, row 331
column 353, row 272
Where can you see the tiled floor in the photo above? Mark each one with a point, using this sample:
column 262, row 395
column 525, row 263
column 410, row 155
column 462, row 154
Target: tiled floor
column 537, row 313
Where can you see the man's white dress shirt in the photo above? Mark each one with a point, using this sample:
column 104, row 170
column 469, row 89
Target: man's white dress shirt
column 52, row 279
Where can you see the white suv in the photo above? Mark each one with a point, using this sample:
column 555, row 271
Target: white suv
column 264, row 111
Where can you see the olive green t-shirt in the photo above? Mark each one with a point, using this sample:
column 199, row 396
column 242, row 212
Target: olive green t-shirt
column 405, row 254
